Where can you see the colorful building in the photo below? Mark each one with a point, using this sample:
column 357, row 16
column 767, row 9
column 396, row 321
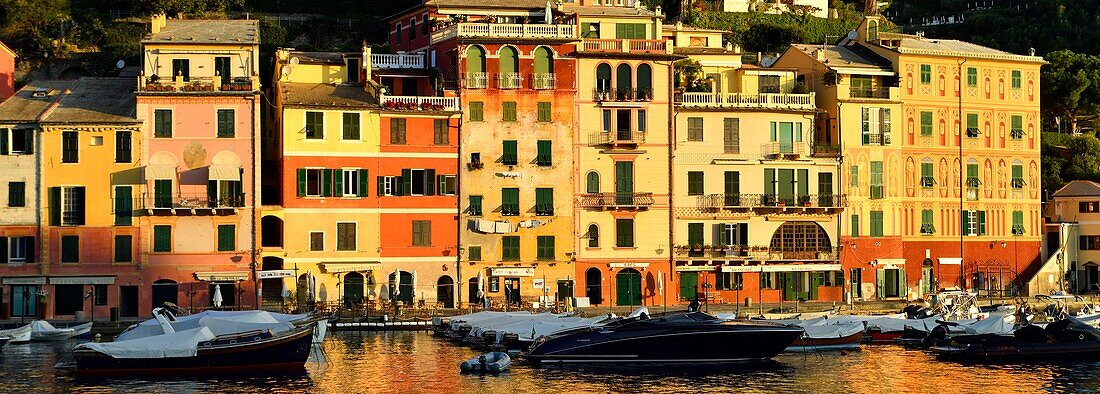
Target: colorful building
column 198, row 98
column 755, row 211
column 1072, row 241
column 7, row 72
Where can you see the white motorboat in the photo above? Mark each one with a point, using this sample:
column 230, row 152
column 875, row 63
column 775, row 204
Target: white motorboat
column 43, row 331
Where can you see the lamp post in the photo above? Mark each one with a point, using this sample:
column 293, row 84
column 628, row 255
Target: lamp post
column 962, row 175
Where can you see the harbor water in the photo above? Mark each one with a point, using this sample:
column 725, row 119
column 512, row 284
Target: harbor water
column 416, row 362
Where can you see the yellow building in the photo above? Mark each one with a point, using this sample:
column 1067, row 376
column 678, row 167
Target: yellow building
column 1073, row 241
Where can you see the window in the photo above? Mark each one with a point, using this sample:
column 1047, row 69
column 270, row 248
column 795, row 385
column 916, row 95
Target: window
column 17, row 142
column 544, row 201
column 590, row 30
column 876, row 223
column 855, row 225
column 509, row 198
column 972, row 180
column 876, row 126
column 545, row 247
column 509, row 108
column 1088, row 242
column 729, row 281
column 475, row 206
column 314, row 182
column 441, row 132
column 733, row 234
column 351, row 126
column 593, row 236
column 606, row 120
column 389, row 186
column 855, row 176
column 926, row 219
column 447, row 185
column 124, row 248
column 510, row 157
column 70, row 249
column 345, row 236
column 695, row 183
column 767, row 280
column 695, row 234
column 100, row 294
column 731, row 135
column 544, row 112
column 971, row 76
column 1018, row 223
column 927, row 171
column 97, row 140
column 624, row 233
column 351, row 182
column 973, row 222
column 226, row 123
column 630, row 30
column 17, row 194
column 768, row 83
column 1018, row 175
column 66, row 206
column 20, row 250
column 123, row 150
column 316, row 241
column 494, row 284
column 477, row 111
column 397, row 131
column 1017, row 132
column 925, row 74
column 876, row 180
column 509, row 248
column 181, row 68
column 695, row 129
column 422, row 232
column 162, row 123
column 641, row 120
column 227, row 238
column 315, row 125
column 70, row 147
column 543, row 158
column 926, row 123
column 592, row 183
column 1088, row 207
column 124, row 205
column 162, row 238
column 418, row 182
column 1015, row 79
column 474, row 253
column 972, row 130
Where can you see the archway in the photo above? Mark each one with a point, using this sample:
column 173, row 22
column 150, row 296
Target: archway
column 509, row 60
column 800, row 240
column 165, row 290
column 603, row 77
column 928, row 277
column 475, row 67
column 623, row 80
column 645, row 81
column 628, row 287
column 405, row 291
column 353, row 288
column 445, row 291
column 593, row 286
column 271, row 232
column 475, row 297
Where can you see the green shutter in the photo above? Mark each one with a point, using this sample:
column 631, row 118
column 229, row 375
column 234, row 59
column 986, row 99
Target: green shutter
column 926, row 123
column 803, row 183
column 55, row 206
column 981, row 222
column 381, row 185
column 475, row 206
column 964, row 220
column 406, row 182
column 4, row 141
column 338, row 182
column 544, row 158
column 429, row 182
column 695, row 234
column 326, row 182
column 510, row 156
column 544, row 111
column 124, row 205
column 81, row 204
column 211, row 193
column 509, row 111
column 301, row 182
column 769, row 182
column 477, row 111
column 364, row 182
column 162, row 238
column 226, row 238
column 855, row 225
column 695, row 183
column 123, row 249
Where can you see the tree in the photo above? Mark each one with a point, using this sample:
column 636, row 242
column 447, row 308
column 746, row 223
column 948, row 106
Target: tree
column 37, row 29
column 1071, row 86
column 772, row 37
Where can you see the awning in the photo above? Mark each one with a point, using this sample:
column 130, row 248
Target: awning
column 82, row 280
column 274, row 274
column 24, row 280
column 512, row 271
column 951, row 261
column 160, row 171
column 333, row 268
column 782, row 268
column 223, row 172
column 223, row 276
column 695, row 268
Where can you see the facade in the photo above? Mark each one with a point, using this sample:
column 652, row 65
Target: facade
column 7, row 72
column 1071, row 241
column 198, row 100
column 755, row 211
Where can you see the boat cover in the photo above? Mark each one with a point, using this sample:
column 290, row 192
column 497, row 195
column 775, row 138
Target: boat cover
column 44, row 328
column 178, row 344
column 221, row 320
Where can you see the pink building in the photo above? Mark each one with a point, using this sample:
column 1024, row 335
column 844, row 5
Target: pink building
column 7, row 72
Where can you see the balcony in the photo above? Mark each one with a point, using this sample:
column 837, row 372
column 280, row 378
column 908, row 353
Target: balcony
column 475, row 80
column 627, row 46
column 198, row 85
column 607, row 94
column 385, row 61
column 793, row 202
column 748, row 100
column 616, row 200
column 543, row 81
column 505, row 30
column 754, row 253
column 869, row 93
column 876, row 138
column 825, row 150
column 621, row 138
column 783, row 150
column 509, row 80
column 422, row 103
column 190, row 203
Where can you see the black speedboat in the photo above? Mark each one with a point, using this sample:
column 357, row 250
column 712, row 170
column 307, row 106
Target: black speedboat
column 674, row 337
column 1067, row 338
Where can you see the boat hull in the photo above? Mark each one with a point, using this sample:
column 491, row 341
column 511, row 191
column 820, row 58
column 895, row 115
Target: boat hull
column 817, row 344
column 1018, row 350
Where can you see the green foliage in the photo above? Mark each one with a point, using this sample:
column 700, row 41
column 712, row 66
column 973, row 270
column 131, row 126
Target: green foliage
column 1066, row 158
column 772, row 32
column 37, row 29
column 1071, row 86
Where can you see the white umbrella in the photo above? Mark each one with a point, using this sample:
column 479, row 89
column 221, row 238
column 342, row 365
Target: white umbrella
column 660, row 282
column 217, row 298
column 481, row 284
column 396, row 283
column 414, row 284
column 546, row 17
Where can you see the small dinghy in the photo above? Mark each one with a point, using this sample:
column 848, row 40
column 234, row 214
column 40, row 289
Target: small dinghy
column 492, row 362
column 17, row 335
column 43, row 331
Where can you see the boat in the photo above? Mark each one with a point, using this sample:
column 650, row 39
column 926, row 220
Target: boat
column 17, row 335
column 821, row 334
column 673, row 337
column 4, row 341
column 1068, row 338
column 995, row 324
column 83, row 331
column 196, row 350
column 491, row 362
column 43, row 331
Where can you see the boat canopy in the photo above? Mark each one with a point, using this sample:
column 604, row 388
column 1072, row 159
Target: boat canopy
column 178, row 344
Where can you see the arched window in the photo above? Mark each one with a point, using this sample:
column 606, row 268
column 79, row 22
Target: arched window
column 593, row 236
column 645, row 82
column 544, row 68
column 475, row 67
column 509, row 68
column 603, row 77
column 800, row 240
column 927, row 172
column 623, row 80
column 872, row 30
column 593, row 184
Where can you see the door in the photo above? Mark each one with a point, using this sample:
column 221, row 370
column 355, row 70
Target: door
column 221, row 66
column 445, row 291
column 622, row 125
column 353, row 288
column 624, row 183
column 786, row 186
column 593, row 286
column 928, row 278
column 511, row 290
column 24, row 300
column 162, row 193
column 628, row 287
column 825, row 189
column 689, row 284
column 855, row 287
column 565, row 289
column 786, row 137
column 473, row 291
column 1092, row 278
column 165, row 290
column 353, row 69
column 128, row 301
column 733, row 188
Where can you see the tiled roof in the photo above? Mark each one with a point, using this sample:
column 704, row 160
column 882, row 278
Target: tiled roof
column 1079, row 189
column 846, row 56
column 22, row 107
column 325, row 95
column 489, row 3
column 198, row 31
column 319, row 57
column 935, row 44
column 97, row 100
column 585, row 10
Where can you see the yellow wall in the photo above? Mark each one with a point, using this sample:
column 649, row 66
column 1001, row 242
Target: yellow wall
column 294, row 134
column 96, row 170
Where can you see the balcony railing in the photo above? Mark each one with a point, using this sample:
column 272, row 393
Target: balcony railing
column 198, row 85
column 632, row 46
column 783, row 149
column 616, row 138
column 396, row 61
column 616, row 200
column 505, row 30
column 825, row 150
column 509, row 80
column 748, row 100
column 869, row 93
column 420, row 103
column 876, row 138
column 754, row 201
column 475, row 80
column 543, row 81
column 755, row 253
column 191, row 201
column 606, row 94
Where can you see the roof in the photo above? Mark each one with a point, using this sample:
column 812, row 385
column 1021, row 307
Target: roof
column 948, row 45
column 319, row 57
column 675, row 28
column 703, row 51
column 97, row 100
column 919, row 45
column 8, row 49
column 846, row 56
column 22, row 107
column 1079, row 189
column 204, row 31
column 488, row 3
column 325, row 95
column 585, row 10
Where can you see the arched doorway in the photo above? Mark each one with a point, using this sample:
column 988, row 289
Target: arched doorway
column 544, row 68
column 603, row 77
column 475, row 67
column 445, row 291
column 405, row 291
column 645, row 81
column 271, row 289
column 303, row 292
column 623, row 80
column 593, row 286
column 165, row 290
column 509, row 68
column 353, row 288
column 475, row 296
column 271, row 232
column 628, row 287
column 928, row 277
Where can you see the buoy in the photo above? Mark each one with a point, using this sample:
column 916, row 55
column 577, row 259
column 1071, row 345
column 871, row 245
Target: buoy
column 843, row 352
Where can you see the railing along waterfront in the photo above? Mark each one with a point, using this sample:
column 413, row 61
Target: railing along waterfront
column 748, row 100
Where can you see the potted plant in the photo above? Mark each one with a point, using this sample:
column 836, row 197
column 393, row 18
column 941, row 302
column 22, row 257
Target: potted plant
column 425, row 106
column 437, row 107
column 390, row 105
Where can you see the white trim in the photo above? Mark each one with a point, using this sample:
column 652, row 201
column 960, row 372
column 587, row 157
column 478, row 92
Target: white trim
column 408, row 155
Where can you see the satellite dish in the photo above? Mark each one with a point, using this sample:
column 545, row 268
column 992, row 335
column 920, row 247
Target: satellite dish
column 294, row 61
column 121, row 63
column 852, row 35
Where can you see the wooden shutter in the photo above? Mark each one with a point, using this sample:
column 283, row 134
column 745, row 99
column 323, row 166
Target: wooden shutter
column 338, row 182
column 769, row 181
column 29, row 246
column 4, row 141
column 4, row 250
column 406, row 182
column 326, row 182
column 55, row 206
column 743, row 233
column 732, row 135
column 695, row 234
column 364, row 182
column 981, row 222
column 803, row 183
column 301, row 182
column 211, row 192
column 964, row 217
column 381, row 185
column 78, row 195
column 429, row 182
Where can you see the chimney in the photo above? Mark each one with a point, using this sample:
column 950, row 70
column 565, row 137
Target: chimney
column 157, row 23
column 820, row 55
column 366, row 62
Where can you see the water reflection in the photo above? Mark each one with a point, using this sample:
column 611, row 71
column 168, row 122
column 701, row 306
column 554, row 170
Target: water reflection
column 418, row 363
